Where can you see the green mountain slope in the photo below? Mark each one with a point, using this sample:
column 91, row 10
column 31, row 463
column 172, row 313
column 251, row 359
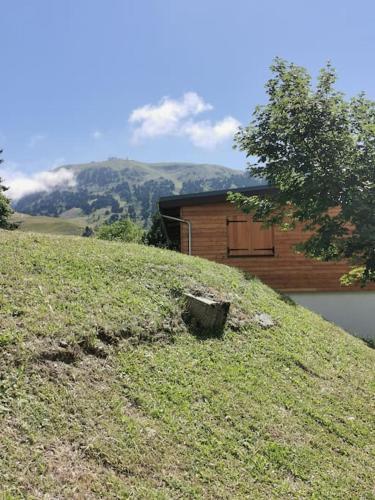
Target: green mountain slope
column 115, row 188
column 105, row 392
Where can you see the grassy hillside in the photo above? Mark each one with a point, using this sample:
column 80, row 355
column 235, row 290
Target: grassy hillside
column 52, row 225
column 105, row 392
column 110, row 189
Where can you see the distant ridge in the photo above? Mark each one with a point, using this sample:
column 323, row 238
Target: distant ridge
column 114, row 188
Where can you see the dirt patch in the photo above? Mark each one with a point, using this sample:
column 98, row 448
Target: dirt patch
column 66, row 356
column 107, row 337
column 69, row 467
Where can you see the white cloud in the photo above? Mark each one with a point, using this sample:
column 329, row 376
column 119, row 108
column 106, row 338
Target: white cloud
column 176, row 117
column 36, row 139
column 97, row 134
column 21, row 184
column 204, row 134
column 165, row 118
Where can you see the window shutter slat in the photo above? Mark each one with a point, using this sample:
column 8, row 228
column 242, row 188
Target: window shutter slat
column 238, row 236
column 261, row 239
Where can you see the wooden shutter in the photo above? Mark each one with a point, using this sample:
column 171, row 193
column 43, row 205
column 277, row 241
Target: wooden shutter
column 238, row 236
column 261, row 239
column 247, row 237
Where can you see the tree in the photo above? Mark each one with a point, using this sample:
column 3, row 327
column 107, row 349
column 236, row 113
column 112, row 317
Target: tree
column 5, row 208
column 318, row 148
column 122, row 230
column 155, row 236
column 87, row 232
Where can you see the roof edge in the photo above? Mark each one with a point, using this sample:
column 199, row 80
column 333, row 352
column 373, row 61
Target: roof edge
column 210, row 196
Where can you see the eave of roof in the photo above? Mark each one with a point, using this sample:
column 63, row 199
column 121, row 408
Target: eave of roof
column 210, row 196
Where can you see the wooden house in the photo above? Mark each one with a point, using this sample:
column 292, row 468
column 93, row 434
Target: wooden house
column 207, row 225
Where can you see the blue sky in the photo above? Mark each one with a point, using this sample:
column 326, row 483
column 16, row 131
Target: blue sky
column 159, row 80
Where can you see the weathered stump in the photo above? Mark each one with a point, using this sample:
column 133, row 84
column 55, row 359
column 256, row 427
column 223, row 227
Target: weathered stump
column 207, row 314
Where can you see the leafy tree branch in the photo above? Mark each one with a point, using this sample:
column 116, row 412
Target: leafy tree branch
column 318, row 148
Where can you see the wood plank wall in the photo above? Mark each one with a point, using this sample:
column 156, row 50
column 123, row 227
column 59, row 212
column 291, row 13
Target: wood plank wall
column 285, row 271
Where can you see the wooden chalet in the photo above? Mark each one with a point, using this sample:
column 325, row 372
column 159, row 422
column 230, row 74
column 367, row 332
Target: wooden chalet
column 207, row 225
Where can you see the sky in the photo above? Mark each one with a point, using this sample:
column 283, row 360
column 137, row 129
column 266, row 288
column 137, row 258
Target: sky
column 159, row 80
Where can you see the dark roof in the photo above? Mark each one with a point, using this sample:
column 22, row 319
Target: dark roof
column 210, row 196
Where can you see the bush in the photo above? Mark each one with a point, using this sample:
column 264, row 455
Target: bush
column 122, row 230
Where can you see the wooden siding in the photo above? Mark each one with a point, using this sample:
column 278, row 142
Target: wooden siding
column 285, row 270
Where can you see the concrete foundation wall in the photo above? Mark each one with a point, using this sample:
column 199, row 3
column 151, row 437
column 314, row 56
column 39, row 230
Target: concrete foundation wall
column 353, row 311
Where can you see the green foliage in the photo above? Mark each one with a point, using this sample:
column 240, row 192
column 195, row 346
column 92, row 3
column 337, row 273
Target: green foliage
column 319, row 150
column 155, row 236
column 5, row 208
column 122, row 230
column 105, row 393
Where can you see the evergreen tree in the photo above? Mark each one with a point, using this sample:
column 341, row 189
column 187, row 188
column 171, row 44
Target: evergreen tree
column 87, row 232
column 5, row 208
column 155, row 236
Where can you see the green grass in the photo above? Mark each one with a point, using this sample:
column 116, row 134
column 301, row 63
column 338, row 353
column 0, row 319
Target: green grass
column 106, row 393
column 43, row 224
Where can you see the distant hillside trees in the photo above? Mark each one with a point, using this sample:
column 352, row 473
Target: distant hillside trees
column 318, row 148
column 5, row 208
column 202, row 184
column 148, row 195
column 98, row 176
column 55, row 203
column 123, row 230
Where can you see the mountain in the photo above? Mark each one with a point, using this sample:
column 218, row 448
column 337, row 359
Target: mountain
column 111, row 189
column 108, row 391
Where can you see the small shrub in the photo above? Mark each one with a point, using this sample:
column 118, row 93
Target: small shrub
column 122, row 230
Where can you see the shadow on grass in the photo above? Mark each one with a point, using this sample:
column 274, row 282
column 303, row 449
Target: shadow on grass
column 281, row 296
column 199, row 331
column 248, row 276
column 370, row 343
column 286, row 299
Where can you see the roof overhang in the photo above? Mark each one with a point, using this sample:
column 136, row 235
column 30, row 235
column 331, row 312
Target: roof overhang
column 208, row 197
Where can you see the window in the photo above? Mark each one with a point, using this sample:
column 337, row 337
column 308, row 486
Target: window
column 247, row 237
